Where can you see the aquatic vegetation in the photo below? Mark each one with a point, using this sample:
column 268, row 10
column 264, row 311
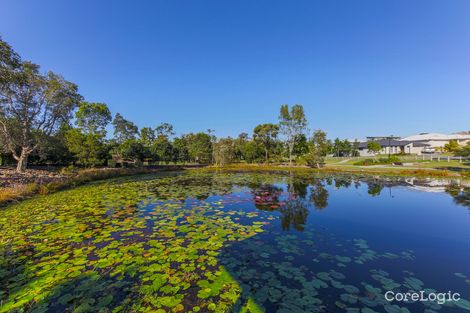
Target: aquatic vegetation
column 197, row 242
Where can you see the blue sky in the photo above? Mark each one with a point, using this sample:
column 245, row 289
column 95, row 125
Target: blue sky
column 358, row 67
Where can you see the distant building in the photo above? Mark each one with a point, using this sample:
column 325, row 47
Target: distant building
column 376, row 138
column 391, row 146
column 416, row 144
column 436, row 140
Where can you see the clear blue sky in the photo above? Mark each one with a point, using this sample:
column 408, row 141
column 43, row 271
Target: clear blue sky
column 359, row 67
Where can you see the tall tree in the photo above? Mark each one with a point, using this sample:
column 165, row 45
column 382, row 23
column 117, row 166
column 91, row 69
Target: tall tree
column 199, row 147
column 147, row 136
column 165, row 129
column 180, row 150
column 293, row 123
column 266, row 136
column 224, row 151
column 87, row 141
column 318, row 149
column 32, row 104
column 93, row 117
column 123, row 129
column 162, row 149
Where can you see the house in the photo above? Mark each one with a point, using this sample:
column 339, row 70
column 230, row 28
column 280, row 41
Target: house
column 376, row 138
column 416, row 144
column 392, row 146
column 430, row 141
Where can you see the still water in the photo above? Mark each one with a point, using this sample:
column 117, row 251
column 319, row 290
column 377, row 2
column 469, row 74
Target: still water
column 238, row 242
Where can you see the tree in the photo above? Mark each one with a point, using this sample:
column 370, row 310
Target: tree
column 252, row 152
column 301, row 145
column 224, row 151
column 452, row 146
column 93, row 117
column 266, row 135
column 355, row 148
column 318, row 149
column 53, row 149
column 130, row 150
column 165, row 129
column 32, row 104
column 162, row 149
column 87, row 141
column 373, row 147
column 147, row 136
column 124, row 130
column 293, row 123
column 199, row 147
column 464, row 151
column 180, row 150
column 342, row 147
column 239, row 144
column 88, row 148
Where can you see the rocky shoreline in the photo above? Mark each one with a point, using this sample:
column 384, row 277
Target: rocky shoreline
column 10, row 178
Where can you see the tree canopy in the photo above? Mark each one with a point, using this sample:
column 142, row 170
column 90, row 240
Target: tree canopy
column 32, row 104
column 293, row 123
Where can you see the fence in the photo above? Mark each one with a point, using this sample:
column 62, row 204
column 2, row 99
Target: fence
column 423, row 157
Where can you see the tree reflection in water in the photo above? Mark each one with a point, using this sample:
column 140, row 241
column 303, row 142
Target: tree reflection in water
column 294, row 203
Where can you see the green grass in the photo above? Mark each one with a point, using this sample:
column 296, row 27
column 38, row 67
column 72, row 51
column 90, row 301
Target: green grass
column 350, row 169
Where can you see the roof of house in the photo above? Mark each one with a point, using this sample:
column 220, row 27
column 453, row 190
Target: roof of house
column 435, row 136
column 420, row 144
column 386, row 143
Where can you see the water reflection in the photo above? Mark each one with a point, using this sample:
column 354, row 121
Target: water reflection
column 302, row 193
column 319, row 194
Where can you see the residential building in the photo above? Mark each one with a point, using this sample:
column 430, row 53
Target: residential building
column 391, row 146
column 431, row 141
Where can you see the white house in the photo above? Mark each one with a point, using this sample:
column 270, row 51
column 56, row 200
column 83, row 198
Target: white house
column 430, row 141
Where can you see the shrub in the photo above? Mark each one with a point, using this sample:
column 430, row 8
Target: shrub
column 367, row 162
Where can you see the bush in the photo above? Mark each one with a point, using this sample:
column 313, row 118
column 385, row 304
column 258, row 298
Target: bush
column 367, row 162
column 112, row 163
column 71, row 169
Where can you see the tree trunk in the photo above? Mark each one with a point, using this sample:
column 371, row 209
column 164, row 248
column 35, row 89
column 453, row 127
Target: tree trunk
column 291, row 148
column 22, row 161
column 266, row 155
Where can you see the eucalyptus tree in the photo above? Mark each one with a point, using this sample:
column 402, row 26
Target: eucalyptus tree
column 127, row 148
column 165, row 129
column 180, row 150
column 318, row 149
column 147, row 136
column 162, row 147
column 87, row 141
column 32, row 104
column 224, row 151
column 293, row 123
column 266, row 136
column 123, row 129
column 199, row 147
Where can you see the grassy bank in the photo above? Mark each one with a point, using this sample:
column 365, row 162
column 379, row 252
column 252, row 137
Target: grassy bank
column 385, row 171
column 16, row 193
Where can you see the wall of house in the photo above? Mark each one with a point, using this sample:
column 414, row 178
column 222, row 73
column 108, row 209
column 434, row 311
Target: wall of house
column 365, row 153
column 415, row 150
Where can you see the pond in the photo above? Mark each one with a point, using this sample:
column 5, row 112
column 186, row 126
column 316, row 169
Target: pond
column 238, row 242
